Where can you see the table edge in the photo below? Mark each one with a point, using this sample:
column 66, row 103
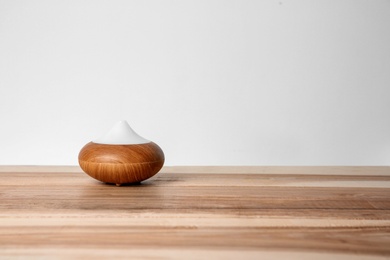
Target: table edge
column 310, row 170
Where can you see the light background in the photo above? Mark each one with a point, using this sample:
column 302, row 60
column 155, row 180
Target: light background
column 212, row 82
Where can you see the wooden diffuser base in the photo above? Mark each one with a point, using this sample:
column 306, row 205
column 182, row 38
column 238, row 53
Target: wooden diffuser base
column 121, row 164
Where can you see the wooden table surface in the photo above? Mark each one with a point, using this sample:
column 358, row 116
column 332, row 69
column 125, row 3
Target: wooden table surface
column 197, row 213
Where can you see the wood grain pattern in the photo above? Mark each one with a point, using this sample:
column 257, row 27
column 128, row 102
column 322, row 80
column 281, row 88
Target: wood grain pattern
column 195, row 215
column 121, row 164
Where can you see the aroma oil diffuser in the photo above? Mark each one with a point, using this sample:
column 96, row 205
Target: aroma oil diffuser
column 121, row 156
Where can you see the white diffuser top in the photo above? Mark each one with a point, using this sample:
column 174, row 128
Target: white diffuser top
column 121, row 133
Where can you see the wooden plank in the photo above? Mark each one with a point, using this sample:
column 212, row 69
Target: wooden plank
column 180, row 214
column 310, row 170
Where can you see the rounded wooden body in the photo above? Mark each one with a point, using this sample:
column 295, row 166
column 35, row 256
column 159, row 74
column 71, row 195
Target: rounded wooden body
column 120, row 164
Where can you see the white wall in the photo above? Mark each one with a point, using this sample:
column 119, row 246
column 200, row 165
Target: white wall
column 212, row 82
